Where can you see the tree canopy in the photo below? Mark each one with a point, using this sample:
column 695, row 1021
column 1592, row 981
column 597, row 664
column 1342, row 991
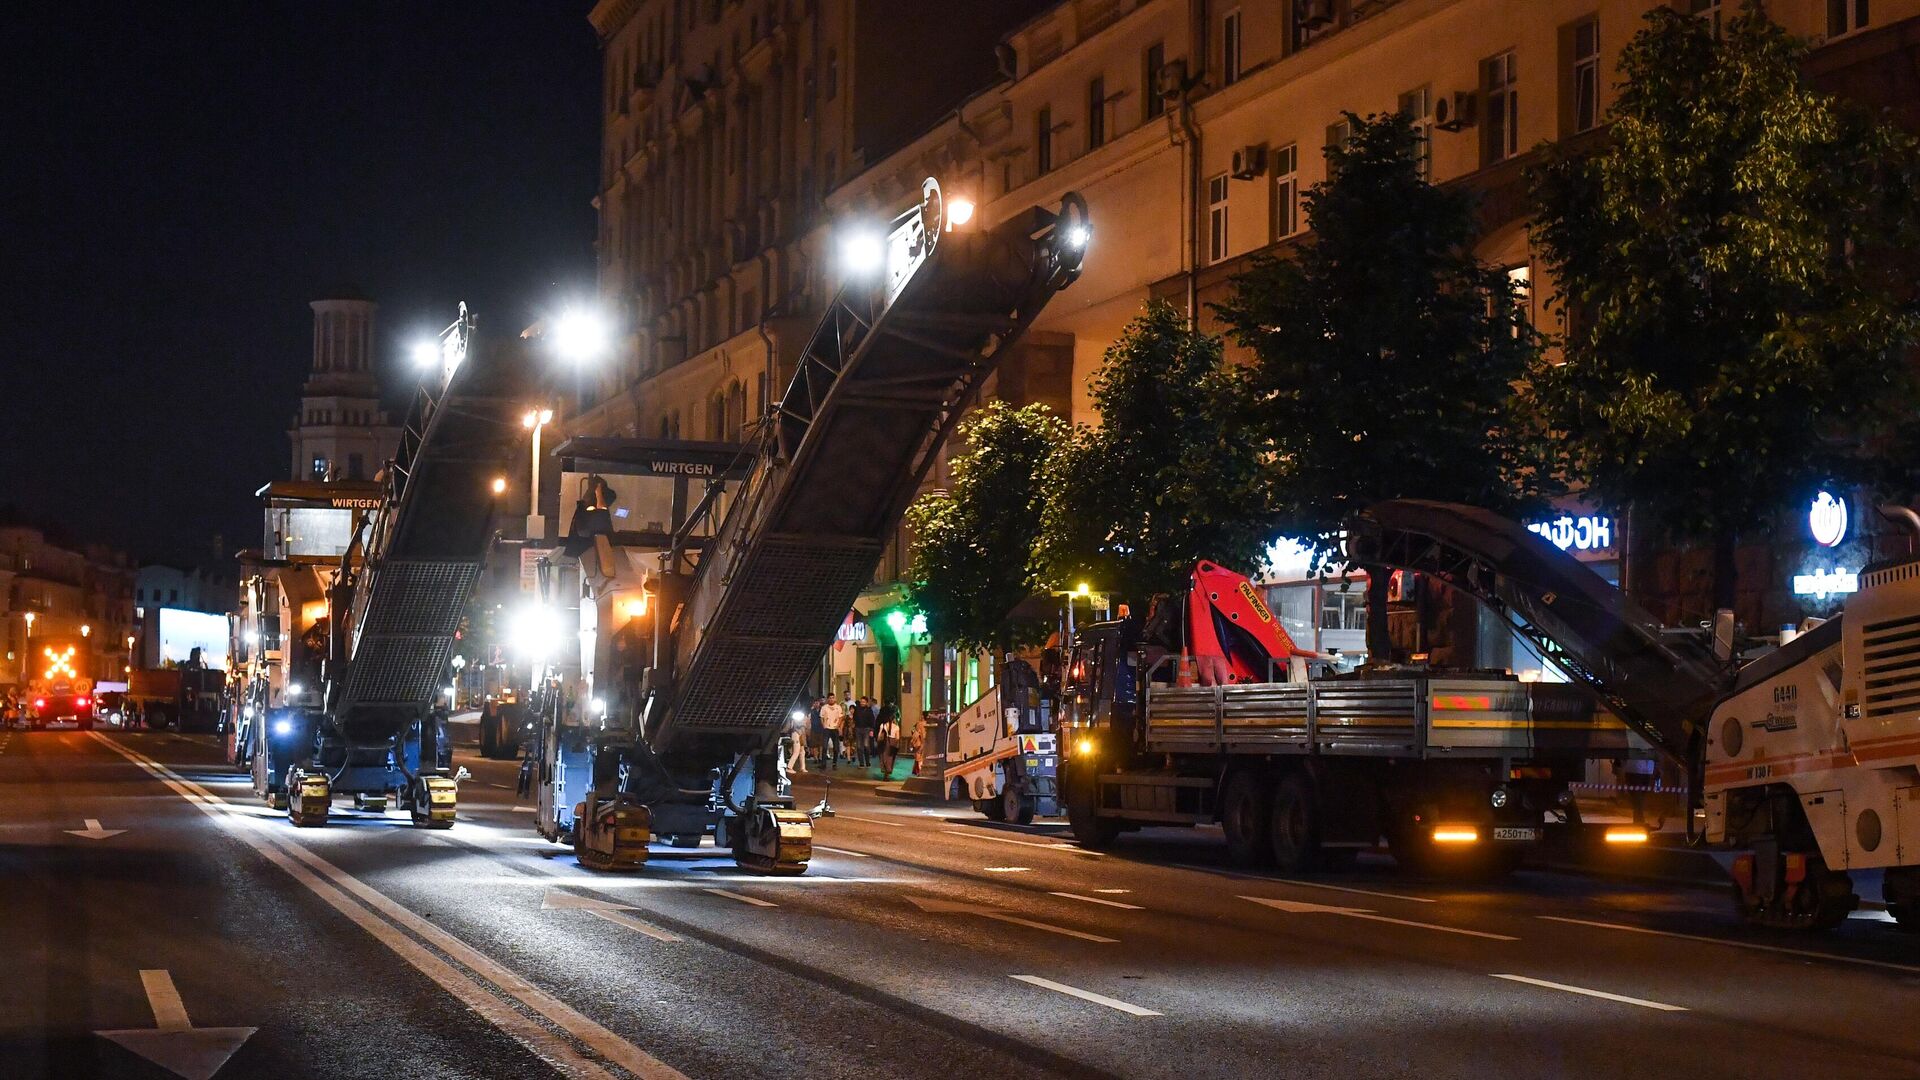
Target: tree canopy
column 1384, row 354
column 1172, row 474
column 1732, row 343
column 973, row 557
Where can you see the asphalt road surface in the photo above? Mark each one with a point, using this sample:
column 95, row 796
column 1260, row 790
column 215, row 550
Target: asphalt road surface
column 146, row 895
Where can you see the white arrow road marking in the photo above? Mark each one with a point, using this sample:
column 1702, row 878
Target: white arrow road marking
column 1808, row 953
column 435, row 953
column 173, row 1043
column 950, row 907
column 1299, row 907
column 1086, row 995
column 93, row 831
column 1097, row 900
column 755, row 901
column 1621, row 998
column 559, row 900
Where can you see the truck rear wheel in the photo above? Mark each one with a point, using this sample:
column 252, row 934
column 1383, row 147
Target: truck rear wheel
column 1244, row 816
column 1294, row 827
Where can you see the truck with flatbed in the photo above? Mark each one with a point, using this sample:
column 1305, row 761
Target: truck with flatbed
column 1205, row 713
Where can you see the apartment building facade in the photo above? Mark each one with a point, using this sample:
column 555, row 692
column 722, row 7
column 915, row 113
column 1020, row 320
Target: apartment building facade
column 1192, row 127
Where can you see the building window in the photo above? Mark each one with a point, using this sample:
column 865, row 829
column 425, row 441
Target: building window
column 1417, row 107
column 1230, row 48
column 1339, row 134
column 356, row 467
column 1096, row 113
column 1708, row 10
column 1583, row 78
column 1043, row 142
column 1520, row 288
column 1154, row 61
column 1845, row 16
column 1286, row 191
column 319, row 467
column 1217, row 218
column 1499, row 83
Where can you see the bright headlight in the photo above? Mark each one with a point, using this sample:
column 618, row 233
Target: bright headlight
column 283, row 727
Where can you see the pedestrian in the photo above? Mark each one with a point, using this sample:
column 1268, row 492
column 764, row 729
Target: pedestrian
column 865, row 722
column 817, row 732
column 889, row 736
column 832, row 718
column 797, row 738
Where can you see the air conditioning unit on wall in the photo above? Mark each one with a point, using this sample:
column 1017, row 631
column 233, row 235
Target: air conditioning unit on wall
column 1249, row 162
column 1457, row 112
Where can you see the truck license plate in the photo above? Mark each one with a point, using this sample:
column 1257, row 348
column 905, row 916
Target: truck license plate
column 1515, row 833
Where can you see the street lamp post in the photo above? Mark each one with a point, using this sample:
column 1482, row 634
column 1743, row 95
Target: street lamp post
column 535, row 421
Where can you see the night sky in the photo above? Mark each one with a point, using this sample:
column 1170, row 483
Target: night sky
column 182, row 178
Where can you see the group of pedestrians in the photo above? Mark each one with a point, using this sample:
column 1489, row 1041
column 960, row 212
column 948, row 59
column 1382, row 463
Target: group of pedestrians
column 860, row 731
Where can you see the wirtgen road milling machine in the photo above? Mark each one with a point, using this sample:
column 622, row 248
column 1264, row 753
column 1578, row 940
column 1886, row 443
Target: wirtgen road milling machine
column 377, row 634
column 700, row 626
column 1806, row 761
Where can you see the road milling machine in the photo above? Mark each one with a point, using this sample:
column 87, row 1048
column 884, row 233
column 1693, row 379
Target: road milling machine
column 701, row 625
column 1806, row 761
column 356, row 704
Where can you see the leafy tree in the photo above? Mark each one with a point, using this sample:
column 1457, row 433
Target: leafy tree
column 1727, row 348
column 1385, row 354
column 973, row 557
column 1170, row 476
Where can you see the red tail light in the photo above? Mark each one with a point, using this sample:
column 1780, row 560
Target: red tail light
column 39, row 703
column 82, row 702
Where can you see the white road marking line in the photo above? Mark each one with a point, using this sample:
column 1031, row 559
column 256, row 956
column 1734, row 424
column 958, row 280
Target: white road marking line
column 1113, row 892
column 1621, row 998
column 502, row 787
column 169, row 1012
column 475, row 993
column 1097, row 900
column 1086, row 995
column 754, row 900
column 618, row 914
column 524, row 810
column 1808, row 953
column 963, row 830
column 871, row 821
column 1294, row 881
column 1007, row 869
column 1299, row 907
column 1000, row 916
column 842, row 851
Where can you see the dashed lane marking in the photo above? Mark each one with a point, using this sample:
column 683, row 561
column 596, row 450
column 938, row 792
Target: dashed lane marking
column 963, row 830
column 842, row 851
column 1086, row 995
column 870, row 821
column 1007, row 869
column 1587, row 992
column 1783, row 950
column 754, row 900
column 1302, row 884
column 1098, row 900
